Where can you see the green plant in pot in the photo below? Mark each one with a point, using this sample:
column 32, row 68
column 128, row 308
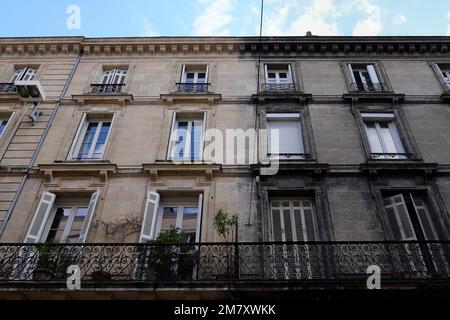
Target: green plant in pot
column 225, row 224
column 166, row 252
column 52, row 262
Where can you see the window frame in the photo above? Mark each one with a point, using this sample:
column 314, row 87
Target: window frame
column 190, row 118
column 81, row 133
column 379, row 72
column 183, row 78
column 290, row 78
column 122, row 73
column 179, row 219
column 22, row 73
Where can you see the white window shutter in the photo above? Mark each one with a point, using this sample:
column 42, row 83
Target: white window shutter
column 266, row 75
column 199, row 217
column 150, row 215
column 90, row 213
column 172, row 137
column 40, row 218
column 372, row 73
column 350, row 70
column 77, row 139
column 290, row 78
column 183, row 74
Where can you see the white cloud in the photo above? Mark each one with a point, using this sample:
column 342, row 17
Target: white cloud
column 214, row 19
column 371, row 25
column 399, row 19
column 448, row 28
column 148, row 30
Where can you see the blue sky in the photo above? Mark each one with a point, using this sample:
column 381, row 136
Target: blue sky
column 104, row 18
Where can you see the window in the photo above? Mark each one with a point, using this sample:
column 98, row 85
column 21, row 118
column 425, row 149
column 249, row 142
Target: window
column 186, row 142
column 364, row 78
column 278, row 77
column 445, row 72
column 194, row 78
column 23, row 74
column 408, row 216
column 91, row 139
column 184, row 213
column 383, row 137
column 114, row 76
column 62, row 219
column 285, row 136
column 4, row 121
column 293, row 220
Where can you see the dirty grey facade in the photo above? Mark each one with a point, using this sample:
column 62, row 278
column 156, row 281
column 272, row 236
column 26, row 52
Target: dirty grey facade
column 364, row 158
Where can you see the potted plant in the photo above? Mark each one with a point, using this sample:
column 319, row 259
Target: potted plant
column 52, row 262
column 165, row 254
column 224, row 223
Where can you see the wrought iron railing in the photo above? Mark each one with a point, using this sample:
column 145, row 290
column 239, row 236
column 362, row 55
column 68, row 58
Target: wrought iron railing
column 289, row 156
column 392, row 156
column 107, row 88
column 183, row 87
column 211, row 262
column 7, row 88
column 369, row 86
column 279, row 87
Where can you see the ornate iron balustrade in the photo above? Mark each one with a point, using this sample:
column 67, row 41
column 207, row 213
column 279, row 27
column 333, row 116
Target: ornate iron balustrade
column 279, row 87
column 7, row 88
column 219, row 262
column 289, row 156
column 367, row 87
column 107, row 88
column 392, row 156
column 183, row 87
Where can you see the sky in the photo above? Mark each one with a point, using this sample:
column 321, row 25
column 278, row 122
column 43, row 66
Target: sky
column 128, row 18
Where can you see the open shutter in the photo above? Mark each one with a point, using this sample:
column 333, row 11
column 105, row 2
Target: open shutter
column 398, row 217
column 150, row 215
column 40, row 217
column 172, row 136
column 266, row 74
column 290, row 78
column 372, row 74
column 426, row 223
column 17, row 75
column 77, row 140
column 183, row 74
column 89, row 215
column 350, row 70
column 199, row 217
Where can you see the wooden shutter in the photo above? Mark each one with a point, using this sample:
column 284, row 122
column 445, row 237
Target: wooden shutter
column 40, row 218
column 399, row 219
column 172, row 136
column 150, row 215
column 89, row 215
column 423, row 215
column 199, row 217
column 350, row 70
column 77, row 139
column 29, row 74
column 372, row 74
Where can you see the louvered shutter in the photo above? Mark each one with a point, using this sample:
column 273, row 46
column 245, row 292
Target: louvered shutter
column 372, row 74
column 90, row 213
column 150, row 214
column 40, row 218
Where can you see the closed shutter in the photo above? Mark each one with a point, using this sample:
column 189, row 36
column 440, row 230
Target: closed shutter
column 289, row 137
column 150, row 214
column 89, row 215
column 40, row 218
column 399, row 219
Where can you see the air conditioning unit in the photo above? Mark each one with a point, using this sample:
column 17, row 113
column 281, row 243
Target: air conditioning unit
column 30, row 90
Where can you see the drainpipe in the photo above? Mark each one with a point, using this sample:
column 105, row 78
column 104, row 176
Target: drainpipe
column 39, row 146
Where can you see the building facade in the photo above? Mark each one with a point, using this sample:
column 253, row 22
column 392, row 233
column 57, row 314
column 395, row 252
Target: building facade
column 358, row 128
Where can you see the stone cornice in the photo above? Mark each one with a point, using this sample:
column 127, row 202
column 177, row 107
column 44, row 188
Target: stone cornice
column 270, row 46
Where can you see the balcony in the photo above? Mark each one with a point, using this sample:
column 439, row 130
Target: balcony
column 137, row 265
column 289, row 156
column 392, row 156
column 7, row 88
column 280, row 88
column 367, row 87
column 107, row 88
column 192, row 87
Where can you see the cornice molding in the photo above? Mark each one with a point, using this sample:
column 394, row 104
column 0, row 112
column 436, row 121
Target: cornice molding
column 269, row 46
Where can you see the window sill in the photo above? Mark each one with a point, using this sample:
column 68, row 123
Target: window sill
column 115, row 98
column 181, row 97
column 374, row 96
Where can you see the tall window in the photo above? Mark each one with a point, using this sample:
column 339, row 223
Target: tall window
column 23, row 74
column 181, row 216
column 383, row 137
column 194, row 78
column 278, row 77
column 409, row 216
column 65, row 223
column 114, row 76
column 364, row 77
column 445, row 71
column 285, row 136
column 186, row 142
column 91, row 139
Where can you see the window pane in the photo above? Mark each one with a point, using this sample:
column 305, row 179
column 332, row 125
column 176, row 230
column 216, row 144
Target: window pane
column 287, row 224
column 372, row 136
column 169, row 218
column 298, row 224
column 276, row 225
column 189, row 225
column 405, row 221
column 101, row 141
column 180, row 140
column 387, row 138
column 290, row 137
column 75, row 229
column 394, row 224
column 3, row 124
column 87, row 140
column 58, row 225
